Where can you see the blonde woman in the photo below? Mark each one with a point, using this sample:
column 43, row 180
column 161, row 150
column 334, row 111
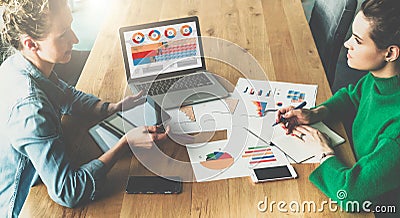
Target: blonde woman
column 33, row 100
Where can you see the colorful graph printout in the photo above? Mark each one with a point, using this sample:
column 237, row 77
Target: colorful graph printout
column 260, row 92
column 188, row 111
column 261, row 107
column 218, row 161
column 242, row 152
column 277, row 94
column 259, row 154
column 296, row 96
column 163, row 51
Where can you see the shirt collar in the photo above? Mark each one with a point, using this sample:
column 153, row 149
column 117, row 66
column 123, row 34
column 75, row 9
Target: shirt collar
column 51, row 86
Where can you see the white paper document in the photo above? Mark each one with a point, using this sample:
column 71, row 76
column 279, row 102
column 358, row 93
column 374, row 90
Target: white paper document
column 265, row 97
column 232, row 158
column 298, row 150
column 209, row 116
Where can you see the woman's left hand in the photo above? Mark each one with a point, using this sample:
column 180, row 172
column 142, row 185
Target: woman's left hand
column 313, row 136
column 128, row 102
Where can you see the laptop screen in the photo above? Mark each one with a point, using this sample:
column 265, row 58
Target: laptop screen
column 162, row 49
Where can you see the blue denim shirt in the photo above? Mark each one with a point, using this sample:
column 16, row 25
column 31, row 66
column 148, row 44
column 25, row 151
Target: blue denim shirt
column 31, row 138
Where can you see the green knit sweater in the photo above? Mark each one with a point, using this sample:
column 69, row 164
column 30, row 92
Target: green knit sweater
column 375, row 176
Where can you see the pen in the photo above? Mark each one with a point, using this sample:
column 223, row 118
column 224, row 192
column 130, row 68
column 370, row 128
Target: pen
column 284, row 120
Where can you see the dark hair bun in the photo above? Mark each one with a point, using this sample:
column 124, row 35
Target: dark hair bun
column 385, row 18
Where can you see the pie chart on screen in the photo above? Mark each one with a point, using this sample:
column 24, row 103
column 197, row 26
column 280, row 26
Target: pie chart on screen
column 170, row 33
column 186, row 30
column 138, row 38
column 218, row 161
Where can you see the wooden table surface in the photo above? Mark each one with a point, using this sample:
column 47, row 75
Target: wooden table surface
column 276, row 33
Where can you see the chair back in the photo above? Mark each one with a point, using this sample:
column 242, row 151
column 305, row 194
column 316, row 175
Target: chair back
column 330, row 21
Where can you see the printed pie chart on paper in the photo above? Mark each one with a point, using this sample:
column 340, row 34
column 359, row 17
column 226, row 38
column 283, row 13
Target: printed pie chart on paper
column 218, row 160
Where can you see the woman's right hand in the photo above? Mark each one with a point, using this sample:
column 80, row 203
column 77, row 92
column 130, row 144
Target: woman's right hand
column 299, row 117
column 145, row 136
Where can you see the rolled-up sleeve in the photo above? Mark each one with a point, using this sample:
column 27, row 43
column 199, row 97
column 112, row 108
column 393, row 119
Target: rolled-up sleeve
column 77, row 102
column 36, row 132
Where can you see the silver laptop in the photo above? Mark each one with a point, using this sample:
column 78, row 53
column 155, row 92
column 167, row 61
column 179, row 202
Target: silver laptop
column 165, row 60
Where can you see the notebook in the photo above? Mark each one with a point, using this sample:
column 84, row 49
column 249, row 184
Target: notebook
column 297, row 149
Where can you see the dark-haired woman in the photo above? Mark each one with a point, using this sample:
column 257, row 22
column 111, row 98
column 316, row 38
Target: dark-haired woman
column 375, row 177
column 33, row 100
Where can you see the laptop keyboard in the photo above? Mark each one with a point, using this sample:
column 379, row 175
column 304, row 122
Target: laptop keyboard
column 174, row 84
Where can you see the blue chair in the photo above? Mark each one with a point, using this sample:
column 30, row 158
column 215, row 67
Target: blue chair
column 330, row 21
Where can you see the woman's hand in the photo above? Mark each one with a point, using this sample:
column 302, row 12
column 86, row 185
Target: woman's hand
column 128, row 102
column 314, row 137
column 145, row 136
column 299, row 117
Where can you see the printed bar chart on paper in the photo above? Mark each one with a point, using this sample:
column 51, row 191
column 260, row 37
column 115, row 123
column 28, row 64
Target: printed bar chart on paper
column 261, row 108
column 259, row 154
column 232, row 158
column 261, row 97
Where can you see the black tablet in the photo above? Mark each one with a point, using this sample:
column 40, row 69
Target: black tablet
column 110, row 130
column 154, row 185
column 147, row 114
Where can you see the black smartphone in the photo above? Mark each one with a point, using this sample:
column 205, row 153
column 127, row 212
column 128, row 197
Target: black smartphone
column 154, row 185
column 273, row 173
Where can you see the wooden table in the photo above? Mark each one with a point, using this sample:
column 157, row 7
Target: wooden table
column 275, row 32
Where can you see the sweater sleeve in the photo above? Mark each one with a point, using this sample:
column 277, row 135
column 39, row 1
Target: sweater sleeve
column 371, row 176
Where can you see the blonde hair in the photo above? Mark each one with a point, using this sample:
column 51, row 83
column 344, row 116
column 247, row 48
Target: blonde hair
column 25, row 17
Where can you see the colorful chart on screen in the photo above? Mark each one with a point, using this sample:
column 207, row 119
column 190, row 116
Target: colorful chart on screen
column 186, row 30
column 163, row 51
column 170, row 33
column 154, row 35
column 218, row 160
column 138, row 38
